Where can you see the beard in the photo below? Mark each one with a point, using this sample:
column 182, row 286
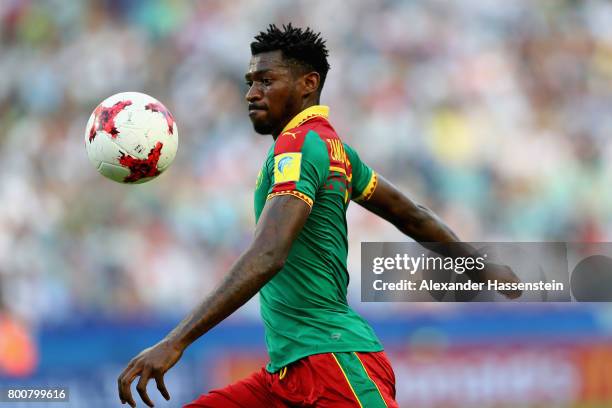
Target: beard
column 270, row 122
column 263, row 123
column 263, row 128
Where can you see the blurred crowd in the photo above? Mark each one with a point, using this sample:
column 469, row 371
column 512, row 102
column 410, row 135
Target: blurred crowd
column 493, row 114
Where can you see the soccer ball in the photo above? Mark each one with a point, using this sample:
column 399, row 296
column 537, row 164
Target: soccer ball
column 131, row 137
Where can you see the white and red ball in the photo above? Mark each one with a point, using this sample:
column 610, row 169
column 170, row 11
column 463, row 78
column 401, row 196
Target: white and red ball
column 131, row 137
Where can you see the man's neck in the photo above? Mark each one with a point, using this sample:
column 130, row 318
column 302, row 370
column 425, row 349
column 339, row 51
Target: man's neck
column 307, row 104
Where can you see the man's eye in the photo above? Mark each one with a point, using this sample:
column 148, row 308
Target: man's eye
column 249, row 83
column 266, row 81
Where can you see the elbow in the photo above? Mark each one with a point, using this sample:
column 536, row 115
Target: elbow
column 413, row 222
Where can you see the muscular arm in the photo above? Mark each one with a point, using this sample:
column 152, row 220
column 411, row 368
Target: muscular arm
column 425, row 227
column 414, row 220
column 280, row 223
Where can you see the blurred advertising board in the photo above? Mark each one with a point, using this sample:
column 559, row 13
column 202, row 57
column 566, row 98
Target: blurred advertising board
column 483, row 376
column 489, row 357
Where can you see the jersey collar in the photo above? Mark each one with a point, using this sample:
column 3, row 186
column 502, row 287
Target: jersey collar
column 314, row 111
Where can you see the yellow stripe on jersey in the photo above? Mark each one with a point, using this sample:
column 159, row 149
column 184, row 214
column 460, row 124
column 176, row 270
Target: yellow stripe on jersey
column 294, row 193
column 338, row 169
column 307, row 114
column 369, row 189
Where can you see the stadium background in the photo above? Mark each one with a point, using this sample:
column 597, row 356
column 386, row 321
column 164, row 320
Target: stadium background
column 494, row 114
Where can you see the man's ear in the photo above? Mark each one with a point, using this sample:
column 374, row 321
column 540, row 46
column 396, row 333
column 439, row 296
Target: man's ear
column 311, row 82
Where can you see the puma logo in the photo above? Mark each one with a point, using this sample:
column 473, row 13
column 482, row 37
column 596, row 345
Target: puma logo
column 292, row 134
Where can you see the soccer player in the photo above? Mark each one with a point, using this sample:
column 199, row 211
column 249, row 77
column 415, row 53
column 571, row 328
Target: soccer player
column 322, row 353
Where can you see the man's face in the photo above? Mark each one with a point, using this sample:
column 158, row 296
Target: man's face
column 273, row 94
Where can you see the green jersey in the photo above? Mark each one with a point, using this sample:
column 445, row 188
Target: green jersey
column 304, row 307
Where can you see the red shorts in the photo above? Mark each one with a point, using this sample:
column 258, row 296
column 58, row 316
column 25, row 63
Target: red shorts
column 322, row 380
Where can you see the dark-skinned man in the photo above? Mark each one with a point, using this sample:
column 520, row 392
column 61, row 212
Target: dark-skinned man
column 322, row 353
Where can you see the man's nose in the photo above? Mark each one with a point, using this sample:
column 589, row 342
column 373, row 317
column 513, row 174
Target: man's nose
column 253, row 94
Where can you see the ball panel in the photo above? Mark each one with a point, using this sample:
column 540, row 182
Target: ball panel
column 142, row 168
column 134, row 142
column 114, row 172
column 104, row 149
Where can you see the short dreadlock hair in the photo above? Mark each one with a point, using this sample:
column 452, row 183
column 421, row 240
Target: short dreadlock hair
column 303, row 47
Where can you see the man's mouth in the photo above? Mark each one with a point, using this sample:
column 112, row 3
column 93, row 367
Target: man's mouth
column 254, row 110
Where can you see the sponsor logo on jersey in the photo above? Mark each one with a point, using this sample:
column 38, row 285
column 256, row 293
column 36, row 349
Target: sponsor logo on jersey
column 287, row 167
column 292, row 134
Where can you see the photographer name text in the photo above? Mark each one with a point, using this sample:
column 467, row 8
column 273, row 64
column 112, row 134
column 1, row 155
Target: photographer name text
column 495, row 285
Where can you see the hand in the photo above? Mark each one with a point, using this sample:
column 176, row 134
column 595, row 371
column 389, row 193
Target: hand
column 502, row 274
column 150, row 363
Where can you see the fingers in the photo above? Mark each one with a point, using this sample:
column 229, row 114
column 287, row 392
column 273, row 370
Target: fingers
column 124, row 383
column 142, row 386
column 127, row 377
column 150, row 363
column 159, row 379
